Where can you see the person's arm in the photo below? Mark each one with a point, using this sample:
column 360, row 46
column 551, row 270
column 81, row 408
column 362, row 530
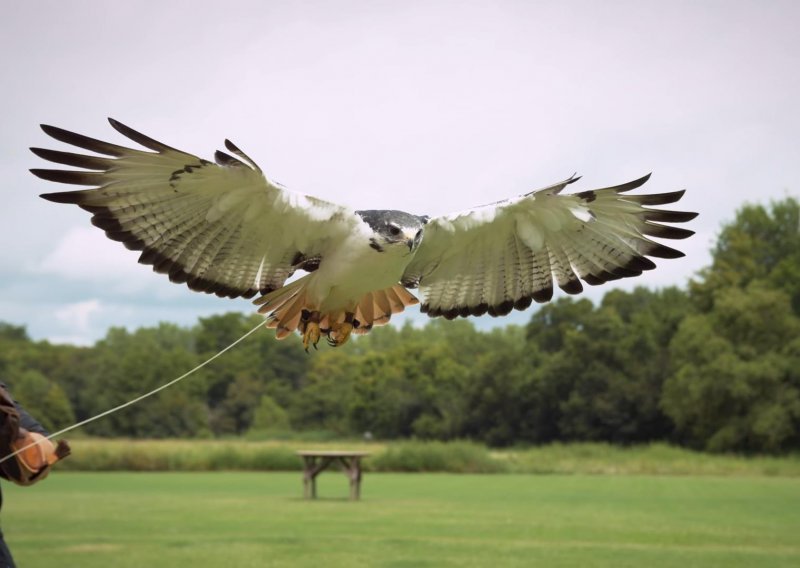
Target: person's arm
column 29, row 422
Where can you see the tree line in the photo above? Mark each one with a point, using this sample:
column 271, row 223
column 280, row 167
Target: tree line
column 714, row 366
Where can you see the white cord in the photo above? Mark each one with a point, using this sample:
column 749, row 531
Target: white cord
column 137, row 399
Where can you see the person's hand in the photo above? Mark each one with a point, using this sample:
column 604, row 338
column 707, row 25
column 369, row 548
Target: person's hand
column 36, row 455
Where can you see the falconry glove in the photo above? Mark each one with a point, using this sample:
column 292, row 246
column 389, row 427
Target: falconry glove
column 36, row 452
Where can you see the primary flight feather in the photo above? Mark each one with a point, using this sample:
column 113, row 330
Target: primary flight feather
column 224, row 228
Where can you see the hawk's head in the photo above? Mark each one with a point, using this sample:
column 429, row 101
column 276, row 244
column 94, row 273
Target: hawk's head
column 394, row 228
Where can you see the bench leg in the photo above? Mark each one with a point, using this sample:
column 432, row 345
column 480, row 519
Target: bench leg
column 353, row 470
column 309, row 489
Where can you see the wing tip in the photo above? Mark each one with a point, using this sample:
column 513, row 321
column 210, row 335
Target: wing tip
column 123, row 129
column 59, row 197
column 662, row 251
column 52, row 131
column 625, row 187
column 231, row 147
column 40, row 173
column 117, row 125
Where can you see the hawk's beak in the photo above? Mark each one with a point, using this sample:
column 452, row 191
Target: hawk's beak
column 410, row 237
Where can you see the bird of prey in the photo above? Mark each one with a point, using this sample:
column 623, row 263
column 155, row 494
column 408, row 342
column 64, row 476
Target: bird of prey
column 223, row 227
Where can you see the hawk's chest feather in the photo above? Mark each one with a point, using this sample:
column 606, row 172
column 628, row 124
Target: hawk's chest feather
column 354, row 269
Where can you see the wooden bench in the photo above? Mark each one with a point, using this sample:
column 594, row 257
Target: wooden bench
column 316, row 461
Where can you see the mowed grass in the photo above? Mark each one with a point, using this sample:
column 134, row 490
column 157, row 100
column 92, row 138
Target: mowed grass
column 249, row 519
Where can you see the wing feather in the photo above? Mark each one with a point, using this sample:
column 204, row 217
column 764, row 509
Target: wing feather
column 221, row 227
column 505, row 255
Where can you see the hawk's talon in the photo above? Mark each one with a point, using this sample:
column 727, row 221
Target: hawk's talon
column 340, row 334
column 311, row 335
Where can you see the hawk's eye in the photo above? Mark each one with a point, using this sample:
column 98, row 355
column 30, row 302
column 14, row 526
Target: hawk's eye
column 394, row 230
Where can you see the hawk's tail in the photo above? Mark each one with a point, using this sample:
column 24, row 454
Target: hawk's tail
column 286, row 306
column 377, row 308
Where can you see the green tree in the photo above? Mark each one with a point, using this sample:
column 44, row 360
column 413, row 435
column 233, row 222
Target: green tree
column 129, row 364
column 761, row 244
column 43, row 399
column 414, row 382
column 11, row 332
column 258, row 366
column 385, row 403
column 27, row 368
column 325, row 394
column 599, row 371
column 269, row 415
column 505, row 403
column 737, row 383
column 550, row 325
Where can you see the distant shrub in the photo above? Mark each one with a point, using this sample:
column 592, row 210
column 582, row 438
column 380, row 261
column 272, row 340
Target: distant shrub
column 452, row 457
column 269, row 415
column 168, row 455
column 272, row 435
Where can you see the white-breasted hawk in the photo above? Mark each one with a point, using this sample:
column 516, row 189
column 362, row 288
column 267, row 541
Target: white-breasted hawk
column 224, row 228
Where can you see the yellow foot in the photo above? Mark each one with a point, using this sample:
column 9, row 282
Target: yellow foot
column 311, row 335
column 340, row 334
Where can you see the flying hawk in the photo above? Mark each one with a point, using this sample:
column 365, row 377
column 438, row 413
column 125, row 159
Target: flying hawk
column 225, row 228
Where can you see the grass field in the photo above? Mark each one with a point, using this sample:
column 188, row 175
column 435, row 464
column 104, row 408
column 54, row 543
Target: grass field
column 250, row 519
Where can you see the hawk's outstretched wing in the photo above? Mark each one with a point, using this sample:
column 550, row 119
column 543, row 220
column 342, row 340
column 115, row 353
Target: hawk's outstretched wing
column 502, row 256
column 222, row 227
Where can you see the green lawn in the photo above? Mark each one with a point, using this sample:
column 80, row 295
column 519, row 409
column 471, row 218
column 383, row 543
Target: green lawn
column 404, row 520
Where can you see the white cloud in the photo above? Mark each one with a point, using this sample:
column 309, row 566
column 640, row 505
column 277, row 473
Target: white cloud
column 76, row 316
column 79, row 340
column 84, row 254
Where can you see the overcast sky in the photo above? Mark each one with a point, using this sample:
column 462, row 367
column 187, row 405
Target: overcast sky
column 427, row 107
